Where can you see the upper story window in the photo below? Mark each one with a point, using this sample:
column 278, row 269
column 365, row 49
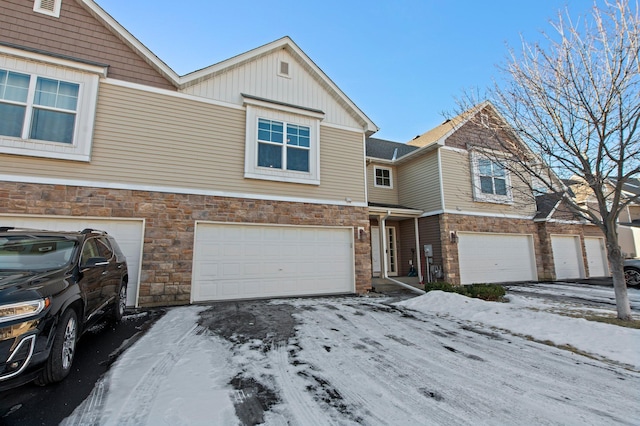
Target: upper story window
column 491, row 181
column 492, row 177
column 282, row 142
column 383, row 177
column 37, row 108
column 47, row 110
column 283, row 145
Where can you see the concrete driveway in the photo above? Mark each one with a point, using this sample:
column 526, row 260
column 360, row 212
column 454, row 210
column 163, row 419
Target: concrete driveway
column 351, row 360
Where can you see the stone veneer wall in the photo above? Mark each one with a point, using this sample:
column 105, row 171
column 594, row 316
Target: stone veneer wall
column 545, row 229
column 466, row 223
column 170, row 222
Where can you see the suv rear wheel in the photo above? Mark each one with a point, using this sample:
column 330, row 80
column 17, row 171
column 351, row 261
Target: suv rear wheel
column 63, row 350
column 632, row 276
column 120, row 304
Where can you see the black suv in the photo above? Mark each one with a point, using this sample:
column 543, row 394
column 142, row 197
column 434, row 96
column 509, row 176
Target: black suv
column 53, row 286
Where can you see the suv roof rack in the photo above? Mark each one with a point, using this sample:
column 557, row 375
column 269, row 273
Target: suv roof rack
column 18, row 228
column 92, row 231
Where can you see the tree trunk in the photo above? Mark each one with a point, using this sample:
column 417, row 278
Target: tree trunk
column 616, row 262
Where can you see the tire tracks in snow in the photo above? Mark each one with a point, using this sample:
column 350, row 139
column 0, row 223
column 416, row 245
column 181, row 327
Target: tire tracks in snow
column 140, row 397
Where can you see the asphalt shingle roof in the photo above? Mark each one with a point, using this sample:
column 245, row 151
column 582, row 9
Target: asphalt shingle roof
column 383, row 149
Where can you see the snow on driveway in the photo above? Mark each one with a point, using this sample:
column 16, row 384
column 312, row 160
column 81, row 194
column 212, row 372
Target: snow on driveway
column 365, row 360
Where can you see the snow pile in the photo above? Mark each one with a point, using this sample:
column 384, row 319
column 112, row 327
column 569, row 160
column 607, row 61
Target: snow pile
column 604, row 340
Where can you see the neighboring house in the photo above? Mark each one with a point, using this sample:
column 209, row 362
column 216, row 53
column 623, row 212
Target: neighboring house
column 629, row 219
column 447, row 190
column 244, row 179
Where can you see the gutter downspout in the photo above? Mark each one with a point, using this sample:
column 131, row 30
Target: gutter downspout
column 418, row 257
column 383, row 234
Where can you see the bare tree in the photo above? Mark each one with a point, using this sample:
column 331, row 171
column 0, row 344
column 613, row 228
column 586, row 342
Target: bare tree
column 574, row 100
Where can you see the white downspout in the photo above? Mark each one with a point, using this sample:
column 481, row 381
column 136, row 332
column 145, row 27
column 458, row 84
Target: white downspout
column 383, row 238
column 418, row 252
column 384, row 257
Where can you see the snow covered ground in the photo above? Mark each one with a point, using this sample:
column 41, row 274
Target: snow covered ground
column 435, row 359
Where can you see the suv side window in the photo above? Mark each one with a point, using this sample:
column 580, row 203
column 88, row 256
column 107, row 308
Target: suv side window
column 105, row 248
column 89, row 250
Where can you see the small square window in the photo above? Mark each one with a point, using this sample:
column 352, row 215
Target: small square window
column 383, row 177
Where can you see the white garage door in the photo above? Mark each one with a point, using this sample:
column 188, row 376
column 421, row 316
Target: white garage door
column 493, row 258
column 242, row 261
column 567, row 256
column 129, row 233
column 596, row 256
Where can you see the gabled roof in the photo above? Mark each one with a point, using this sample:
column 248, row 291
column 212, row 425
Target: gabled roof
column 444, row 130
column 181, row 82
column 631, row 186
column 387, row 150
column 546, row 204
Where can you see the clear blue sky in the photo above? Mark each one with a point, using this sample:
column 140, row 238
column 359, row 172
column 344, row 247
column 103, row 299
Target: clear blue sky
column 402, row 62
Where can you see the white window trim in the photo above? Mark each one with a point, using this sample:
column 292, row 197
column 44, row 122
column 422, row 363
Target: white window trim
column 256, row 109
column 375, row 177
column 480, row 196
column 37, row 7
column 88, row 79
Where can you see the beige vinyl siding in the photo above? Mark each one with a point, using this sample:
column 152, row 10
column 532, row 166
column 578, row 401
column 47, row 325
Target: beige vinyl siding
column 458, row 189
column 153, row 139
column 379, row 194
column 420, row 183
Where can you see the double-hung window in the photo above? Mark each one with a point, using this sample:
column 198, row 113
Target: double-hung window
column 33, row 107
column 282, row 142
column 47, row 105
column 490, row 179
column 283, row 145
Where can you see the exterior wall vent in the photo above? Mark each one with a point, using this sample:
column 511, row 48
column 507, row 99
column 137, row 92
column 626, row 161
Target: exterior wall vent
column 283, row 69
column 48, row 7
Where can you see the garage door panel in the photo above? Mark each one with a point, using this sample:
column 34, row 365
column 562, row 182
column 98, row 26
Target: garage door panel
column 596, row 257
column 567, row 256
column 274, row 261
column 486, row 257
column 128, row 233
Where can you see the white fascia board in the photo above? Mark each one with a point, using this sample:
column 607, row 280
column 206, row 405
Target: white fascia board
column 101, row 70
column 482, row 214
column 175, row 190
column 376, row 160
column 166, row 92
column 395, row 212
column 279, row 106
column 422, row 150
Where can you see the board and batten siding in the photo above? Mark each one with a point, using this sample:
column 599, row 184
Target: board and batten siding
column 458, row 189
column 378, row 194
column 156, row 140
column 259, row 77
column 420, row 183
